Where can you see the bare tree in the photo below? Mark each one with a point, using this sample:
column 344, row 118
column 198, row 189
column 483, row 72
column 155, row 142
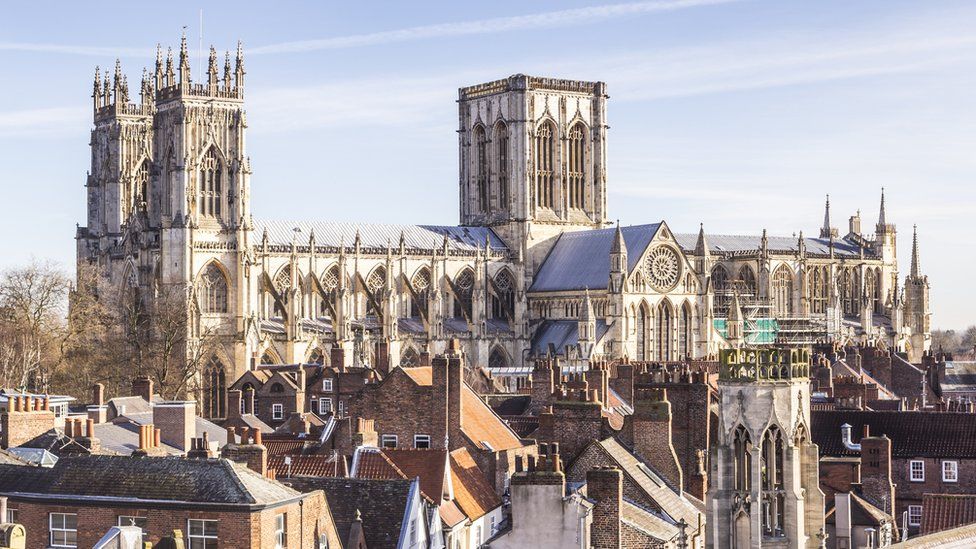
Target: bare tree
column 33, row 329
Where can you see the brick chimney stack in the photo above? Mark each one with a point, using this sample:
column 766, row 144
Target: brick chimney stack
column 25, row 419
column 876, row 485
column 605, row 486
column 651, row 430
column 364, row 433
column 447, row 380
column 234, row 400
column 200, row 448
column 251, row 451
column 176, row 420
column 143, row 386
column 97, row 410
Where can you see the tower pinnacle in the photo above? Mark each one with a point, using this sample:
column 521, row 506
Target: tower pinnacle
column 184, row 62
column 881, row 216
column 826, row 230
column 915, row 272
column 701, row 246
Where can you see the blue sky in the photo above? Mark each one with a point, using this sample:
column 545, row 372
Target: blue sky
column 739, row 114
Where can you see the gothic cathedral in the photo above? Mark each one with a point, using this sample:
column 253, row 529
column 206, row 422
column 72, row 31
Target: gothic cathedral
column 534, row 269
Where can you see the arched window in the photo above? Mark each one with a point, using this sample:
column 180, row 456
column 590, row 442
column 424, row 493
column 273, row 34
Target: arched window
column 169, row 184
column 497, row 358
column 643, row 328
column 773, row 493
column 481, row 173
column 214, row 387
column 141, row 188
column 317, row 357
column 421, row 289
column 748, row 280
column 409, row 357
column 818, row 282
column 501, row 148
column 503, row 297
column 330, row 283
column 282, row 281
column 665, row 325
column 463, row 286
column 685, row 342
column 851, row 291
column 247, row 403
column 545, row 164
column 376, row 284
column 742, row 459
column 211, row 187
column 268, row 358
column 782, row 291
column 576, row 173
column 720, row 287
column 212, row 290
column 277, row 388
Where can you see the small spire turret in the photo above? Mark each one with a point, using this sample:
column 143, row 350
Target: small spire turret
column 227, row 83
column 882, row 221
column 212, row 81
column 158, row 73
column 915, row 270
column 97, row 89
column 170, row 75
column 826, row 230
column 239, row 69
column 184, row 62
column 106, row 90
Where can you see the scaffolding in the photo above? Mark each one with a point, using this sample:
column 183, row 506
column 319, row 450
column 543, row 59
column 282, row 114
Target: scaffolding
column 764, row 326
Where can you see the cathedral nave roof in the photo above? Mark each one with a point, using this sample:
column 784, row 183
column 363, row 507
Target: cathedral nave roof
column 378, row 235
column 725, row 243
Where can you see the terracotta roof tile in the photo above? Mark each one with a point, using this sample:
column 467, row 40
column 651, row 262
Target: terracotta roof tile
column 421, row 375
column 373, row 464
column 309, row 466
column 944, row 511
column 472, row 492
column 451, row 514
column 427, row 464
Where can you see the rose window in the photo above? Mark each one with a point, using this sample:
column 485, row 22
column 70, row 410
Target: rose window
column 662, row 268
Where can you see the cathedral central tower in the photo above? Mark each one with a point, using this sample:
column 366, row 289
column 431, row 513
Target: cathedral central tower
column 533, row 159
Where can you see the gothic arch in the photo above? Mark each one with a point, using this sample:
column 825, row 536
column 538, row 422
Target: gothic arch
column 214, row 389
column 211, row 183
column 500, row 139
column 720, row 282
column 643, row 326
column 462, row 287
column 781, row 290
column 503, row 295
column 576, row 154
column 741, row 458
column 747, row 277
column 498, row 358
column 420, row 284
column 212, row 288
column 376, row 285
column 685, row 331
column 772, row 456
column 409, row 357
column 481, row 166
column 270, row 356
column 166, row 198
column 818, row 284
column 664, row 329
column 544, row 150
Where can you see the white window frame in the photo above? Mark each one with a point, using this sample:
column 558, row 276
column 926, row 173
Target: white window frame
column 281, row 531
column 199, row 541
column 914, row 515
column 341, row 409
column 63, row 529
column 11, row 514
column 421, row 438
column 327, row 384
column 950, row 471
column 325, row 400
column 277, row 411
column 392, row 438
column 920, row 477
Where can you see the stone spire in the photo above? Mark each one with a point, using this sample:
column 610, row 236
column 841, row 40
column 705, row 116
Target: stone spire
column 915, row 271
column 239, row 68
column 227, row 72
column 158, row 70
column 170, row 75
column 586, row 311
column 881, row 215
column 618, row 261
column 97, row 91
column 619, row 245
column 826, row 231
column 701, row 247
column 184, row 62
column 212, row 79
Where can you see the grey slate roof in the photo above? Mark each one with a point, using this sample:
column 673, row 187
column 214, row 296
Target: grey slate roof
column 913, row 433
column 959, row 376
column 581, row 259
column 724, row 243
column 166, row 478
column 561, row 333
column 382, row 504
column 378, row 235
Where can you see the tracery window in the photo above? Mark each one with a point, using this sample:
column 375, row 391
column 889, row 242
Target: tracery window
column 665, row 325
column 503, row 298
column 643, row 328
column 742, row 459
column 421, row 289
column 720, row 287
column 871, row 290
column 577, row 166
column 282, row 281
column 497, row 358
column 376, row 284
column 773, row 493
column 748, row 281
column 212, row 290
column 685, row 332
column 818, row 282
column 211, row 188
column 481, row 146
column 142, row 186
column 851, row 291
column 463, row 286
column 214, row 387
column 409, row 357
column 782, row 290
column 330, row 284
column 501, row 146
column 545, row 165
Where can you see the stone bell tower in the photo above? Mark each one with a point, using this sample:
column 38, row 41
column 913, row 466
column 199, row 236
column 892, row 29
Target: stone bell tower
column 764, row 468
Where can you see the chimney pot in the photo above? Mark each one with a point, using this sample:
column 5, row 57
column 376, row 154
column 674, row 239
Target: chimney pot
column 157, row 434
column 256, row 434
column 231, row 434
column 90, row 428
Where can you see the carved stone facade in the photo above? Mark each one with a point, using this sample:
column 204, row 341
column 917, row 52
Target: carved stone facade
column 534, row 268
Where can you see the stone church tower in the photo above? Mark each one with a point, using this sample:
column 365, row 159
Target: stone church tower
column 764, row 468
column 533, row 154
column 918, row 315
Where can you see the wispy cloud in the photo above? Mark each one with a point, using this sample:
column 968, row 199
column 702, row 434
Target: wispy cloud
column 547, row 20
column 45, row 121
column 70, row 49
